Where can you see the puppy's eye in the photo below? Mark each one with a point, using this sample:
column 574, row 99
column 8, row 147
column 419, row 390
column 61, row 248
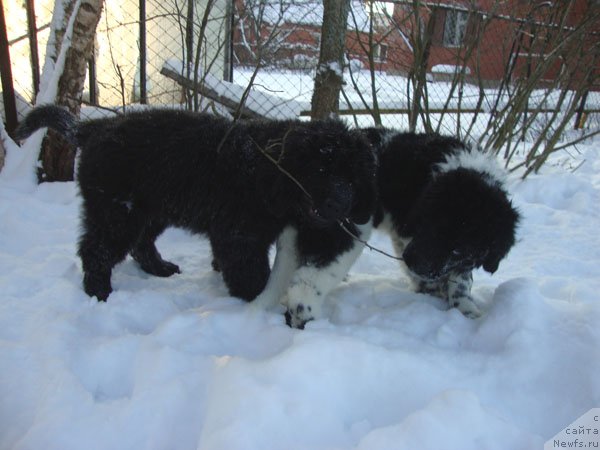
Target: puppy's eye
column 325, row 150
column 456, row 252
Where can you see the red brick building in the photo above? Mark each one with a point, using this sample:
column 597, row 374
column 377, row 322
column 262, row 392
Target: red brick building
column 510, row 35
column 285, row 33
column 492, row 37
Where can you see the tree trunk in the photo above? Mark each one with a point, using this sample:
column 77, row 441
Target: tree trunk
column 329, row 77
column 57, row 155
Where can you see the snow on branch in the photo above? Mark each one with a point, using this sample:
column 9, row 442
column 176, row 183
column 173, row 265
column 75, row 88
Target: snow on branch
column 20, row 164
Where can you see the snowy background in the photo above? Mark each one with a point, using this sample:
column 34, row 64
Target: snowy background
column 178, row 364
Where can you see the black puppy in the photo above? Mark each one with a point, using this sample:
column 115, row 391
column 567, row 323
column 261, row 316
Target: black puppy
column 240, row 183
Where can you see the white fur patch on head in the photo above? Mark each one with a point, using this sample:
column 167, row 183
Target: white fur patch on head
column 477, row 160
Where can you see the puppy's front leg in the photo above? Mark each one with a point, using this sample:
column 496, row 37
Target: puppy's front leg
column 459, row 294
column 286, row 262
column 308, row 290
column 437, row 288
column 311, row 283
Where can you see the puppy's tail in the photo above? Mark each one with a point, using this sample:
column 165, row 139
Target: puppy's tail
column 48, row 116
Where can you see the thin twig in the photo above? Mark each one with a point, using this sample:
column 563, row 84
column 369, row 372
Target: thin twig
column 366, row 244
column 278, row 165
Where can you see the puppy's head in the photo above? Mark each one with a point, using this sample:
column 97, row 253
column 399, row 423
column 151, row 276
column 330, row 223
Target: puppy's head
column 462, row 222
column 326, row 174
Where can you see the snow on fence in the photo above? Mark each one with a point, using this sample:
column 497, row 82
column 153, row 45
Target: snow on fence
column 252, row 103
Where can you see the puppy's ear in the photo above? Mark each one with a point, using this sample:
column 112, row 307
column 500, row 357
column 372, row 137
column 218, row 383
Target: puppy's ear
column 509, row 220
column 491, row 263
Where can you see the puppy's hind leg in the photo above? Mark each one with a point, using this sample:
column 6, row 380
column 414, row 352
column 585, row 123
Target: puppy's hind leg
column 146, row 254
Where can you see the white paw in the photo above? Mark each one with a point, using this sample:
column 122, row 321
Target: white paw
column 467, row 306
column 301, row 310
column 298, row 316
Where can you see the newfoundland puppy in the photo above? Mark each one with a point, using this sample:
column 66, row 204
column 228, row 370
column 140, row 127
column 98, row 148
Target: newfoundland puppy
column 445, row 208
column 240, row 183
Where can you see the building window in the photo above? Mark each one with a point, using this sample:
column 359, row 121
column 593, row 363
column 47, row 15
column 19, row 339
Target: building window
column 380, row 52
column 455, row 27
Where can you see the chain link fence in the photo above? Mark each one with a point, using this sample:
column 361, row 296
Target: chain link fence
column 494, row 71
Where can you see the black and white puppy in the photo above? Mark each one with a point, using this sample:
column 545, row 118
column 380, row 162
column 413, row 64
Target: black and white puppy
column 445, row 208
column 240, row 183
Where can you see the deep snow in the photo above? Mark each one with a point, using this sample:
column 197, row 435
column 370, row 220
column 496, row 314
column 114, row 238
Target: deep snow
column 177, row 364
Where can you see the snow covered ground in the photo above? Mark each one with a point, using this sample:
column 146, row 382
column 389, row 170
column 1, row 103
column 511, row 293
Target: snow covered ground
column 177, row 364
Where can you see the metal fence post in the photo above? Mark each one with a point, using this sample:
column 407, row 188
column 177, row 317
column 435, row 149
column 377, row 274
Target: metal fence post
column 229, row 28
column 33, row 46
column 8, row 91
column 92, row 79
column 143, row 93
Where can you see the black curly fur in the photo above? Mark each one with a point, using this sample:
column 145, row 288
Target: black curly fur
column 144, row 171
column 48, row 116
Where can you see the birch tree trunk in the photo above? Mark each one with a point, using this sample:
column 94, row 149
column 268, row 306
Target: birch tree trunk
column 329, row 77
column 57, row 155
